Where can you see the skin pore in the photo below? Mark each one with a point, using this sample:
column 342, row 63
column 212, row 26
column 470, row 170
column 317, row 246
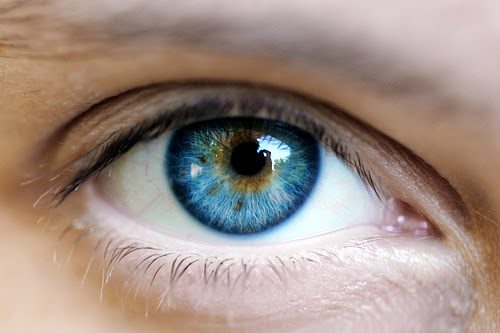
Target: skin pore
column 426, row 75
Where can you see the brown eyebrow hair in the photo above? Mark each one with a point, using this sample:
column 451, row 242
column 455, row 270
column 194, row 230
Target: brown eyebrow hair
column 41, row 29
column 18, row 20
column 54, row 30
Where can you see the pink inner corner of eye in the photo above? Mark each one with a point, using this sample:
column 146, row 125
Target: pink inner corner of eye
column 401, row 218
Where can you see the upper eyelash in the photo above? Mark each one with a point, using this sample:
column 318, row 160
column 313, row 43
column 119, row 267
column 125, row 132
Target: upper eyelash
column 94, row 161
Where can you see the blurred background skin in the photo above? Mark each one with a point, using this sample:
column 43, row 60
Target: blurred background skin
column 433, row 85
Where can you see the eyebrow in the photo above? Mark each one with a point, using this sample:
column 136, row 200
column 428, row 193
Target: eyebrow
column 344, row 41
column 286, row 35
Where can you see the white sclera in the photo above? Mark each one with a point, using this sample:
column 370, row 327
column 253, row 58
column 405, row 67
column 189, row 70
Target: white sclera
column 137, row 184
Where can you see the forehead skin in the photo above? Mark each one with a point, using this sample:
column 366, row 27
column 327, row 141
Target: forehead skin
column 425, row 73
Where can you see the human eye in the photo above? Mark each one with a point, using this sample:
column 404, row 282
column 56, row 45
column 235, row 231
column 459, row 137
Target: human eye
column 243, row 166
column 235, row 202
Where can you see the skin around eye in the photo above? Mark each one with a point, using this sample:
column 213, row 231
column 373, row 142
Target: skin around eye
column 424, row 73
column 163, row 258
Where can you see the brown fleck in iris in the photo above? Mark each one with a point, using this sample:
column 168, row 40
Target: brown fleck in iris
column 203, row 159
column 214, row 190
column 238, row 206
column 256, row 182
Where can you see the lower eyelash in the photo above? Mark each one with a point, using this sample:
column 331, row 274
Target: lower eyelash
column 147, row 264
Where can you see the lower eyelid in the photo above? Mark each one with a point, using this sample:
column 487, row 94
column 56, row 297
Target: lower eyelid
column 333, row 274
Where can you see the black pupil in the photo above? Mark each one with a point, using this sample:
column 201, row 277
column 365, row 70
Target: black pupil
column 247, row 160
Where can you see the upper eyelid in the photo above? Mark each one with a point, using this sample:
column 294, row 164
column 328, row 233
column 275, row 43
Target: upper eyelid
column 141, row 103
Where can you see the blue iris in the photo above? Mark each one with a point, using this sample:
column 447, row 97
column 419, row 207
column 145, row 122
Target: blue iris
column 242, row 175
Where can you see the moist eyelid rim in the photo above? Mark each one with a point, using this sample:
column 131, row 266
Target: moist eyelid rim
column 256, row 103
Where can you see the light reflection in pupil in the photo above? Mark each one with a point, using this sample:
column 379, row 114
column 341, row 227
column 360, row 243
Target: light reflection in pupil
column 248, row 158
column 278, row 150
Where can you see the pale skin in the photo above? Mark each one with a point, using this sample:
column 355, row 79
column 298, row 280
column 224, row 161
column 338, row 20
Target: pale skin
column 425, row 74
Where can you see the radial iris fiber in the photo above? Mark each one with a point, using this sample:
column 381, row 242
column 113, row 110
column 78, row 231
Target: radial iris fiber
column 242, row 175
